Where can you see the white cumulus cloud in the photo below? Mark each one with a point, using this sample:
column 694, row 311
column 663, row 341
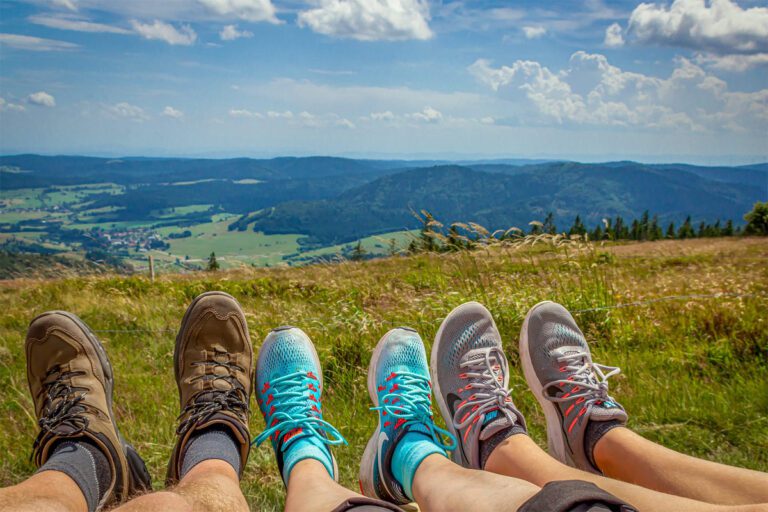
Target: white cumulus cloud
column 35, row 44
column 42, row 99
column 241, row 112
column 369, row 20
column 614, row 36
column 230, row 33
column 387, row 115
column 732, row 62
column 280, row 115
column 715, row 28
column 427, row 115
column 125, row 110
column 247, row 10
column 159, row 30
column 172, row 112
column 719, row 26
column 591, row 91
column 533, row 32
column 12, row 107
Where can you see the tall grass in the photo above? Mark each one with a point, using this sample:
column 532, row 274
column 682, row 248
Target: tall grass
column 695, row 373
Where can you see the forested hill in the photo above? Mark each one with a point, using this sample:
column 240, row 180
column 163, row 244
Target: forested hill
column 513, row 196
column 329, row 200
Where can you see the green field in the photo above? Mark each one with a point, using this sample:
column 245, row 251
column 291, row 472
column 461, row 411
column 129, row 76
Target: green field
column 233, row 248
column 694, row 371
column 70, row 207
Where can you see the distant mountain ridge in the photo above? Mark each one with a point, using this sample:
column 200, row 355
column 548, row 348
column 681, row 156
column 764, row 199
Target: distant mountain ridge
column 513, row 197
column 335, row 200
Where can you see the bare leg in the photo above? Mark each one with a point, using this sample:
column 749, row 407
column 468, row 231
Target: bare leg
column 211, row 486
column 311, row 488
column 520, row 457
column 439, row 485
column 626, row 456
column 48, row 491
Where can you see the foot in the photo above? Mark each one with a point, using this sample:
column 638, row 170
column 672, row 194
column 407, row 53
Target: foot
column 70, row 379
column 399, row 386
column 572, row 390
column 213, row 363
column 289, row 387
column 471, row 379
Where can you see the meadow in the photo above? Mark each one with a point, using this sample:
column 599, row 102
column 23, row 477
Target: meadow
column 694, row 369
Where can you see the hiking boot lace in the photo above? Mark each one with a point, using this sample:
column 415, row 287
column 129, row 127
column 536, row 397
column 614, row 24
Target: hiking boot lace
column 295, row 413
column 62, row 405
column 209, row 401
column 589, row 380
column 487, row 384
column 409, row 402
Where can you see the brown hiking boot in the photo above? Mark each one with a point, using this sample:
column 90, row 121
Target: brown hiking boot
column 70, row 379
column 213, row 363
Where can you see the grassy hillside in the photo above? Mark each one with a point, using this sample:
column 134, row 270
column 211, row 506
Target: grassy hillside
column 695, row 372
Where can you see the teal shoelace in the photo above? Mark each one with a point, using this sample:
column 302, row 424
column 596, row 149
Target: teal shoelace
column 294, row 413
column 408, row 401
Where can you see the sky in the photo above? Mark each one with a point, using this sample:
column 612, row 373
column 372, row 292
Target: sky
column 683, row 80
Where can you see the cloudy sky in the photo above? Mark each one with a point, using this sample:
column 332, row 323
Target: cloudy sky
column 591, row 80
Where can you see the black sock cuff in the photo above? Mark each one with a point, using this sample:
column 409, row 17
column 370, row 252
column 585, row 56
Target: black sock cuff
column 595, row 431
column 490, row 444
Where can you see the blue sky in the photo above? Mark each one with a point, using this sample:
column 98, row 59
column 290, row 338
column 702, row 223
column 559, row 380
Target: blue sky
column 682, row 80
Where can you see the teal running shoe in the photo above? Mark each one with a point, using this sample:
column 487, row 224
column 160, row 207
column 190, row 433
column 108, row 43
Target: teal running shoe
column 400, row 388
column 289, row 386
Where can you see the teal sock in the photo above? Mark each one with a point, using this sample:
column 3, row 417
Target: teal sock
column 306, row 448
column 413, row 448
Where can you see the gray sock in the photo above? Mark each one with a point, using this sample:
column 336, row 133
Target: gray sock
column 596, row 430
column 84, row 463
column 212, row 443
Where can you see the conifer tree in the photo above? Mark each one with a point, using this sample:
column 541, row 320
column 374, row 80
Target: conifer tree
column 213, row 265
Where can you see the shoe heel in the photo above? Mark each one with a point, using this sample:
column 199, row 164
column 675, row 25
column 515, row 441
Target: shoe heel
column 141, row 480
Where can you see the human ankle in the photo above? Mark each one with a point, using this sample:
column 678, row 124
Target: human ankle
column 596, row 436
column 410, row 452
column 305, row 449
column 216, row 442
column 84, row 462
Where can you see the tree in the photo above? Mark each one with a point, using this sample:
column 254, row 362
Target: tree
column 643, row 228
column 757, row 220
column 578, row 227
column 597, row 233
column 728, row 229
column 654, row 230
column 620, row 230
column 549, row 224
column 671, row 231
column 702, row 230
column 686, row 230
column 358, row 253
column 213, row 265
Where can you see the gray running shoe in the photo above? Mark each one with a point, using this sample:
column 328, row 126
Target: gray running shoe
column 470, row 377
column 572, row 390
